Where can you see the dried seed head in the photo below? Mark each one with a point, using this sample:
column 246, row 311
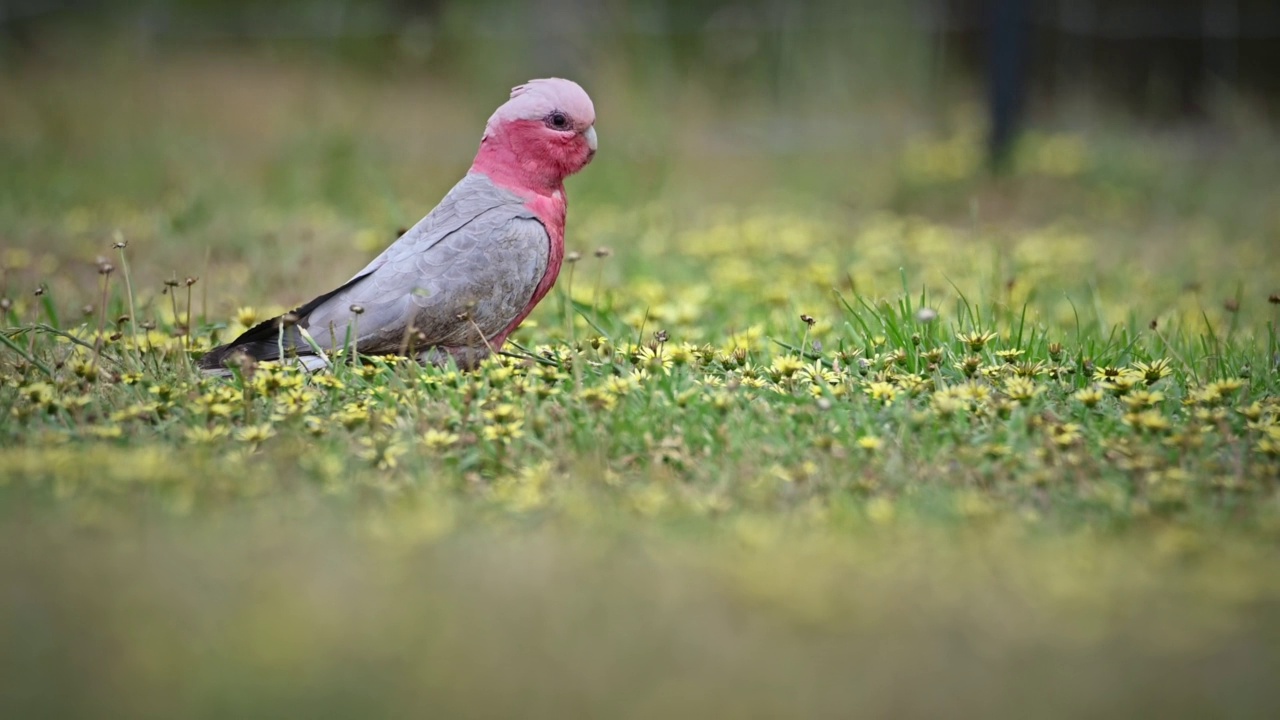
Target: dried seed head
column 5, row 304
column 122, row 319
column 190, row 281
column 1274, row 298
column 287, row 320
column 573, row 257
column 603, row 252
column 40, row 291
column 244, row 361
column 149, row 325
column 1055, row 351
column 807, row 319
column 171, row 283
column 926, row 315
column 105, row 268
column 356, row 309
column 1155, row 323
column 1231, row 305
column 661, row 336
column 87, row 309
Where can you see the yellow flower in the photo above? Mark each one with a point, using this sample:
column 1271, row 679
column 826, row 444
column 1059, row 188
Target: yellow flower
column 503, row 433
column 880, row 510
column 438, row 439
column 381, row 452
column 975, row 341
column 946, row 404
column 1089, row 397
column 314, row 425
column 1022, row 390
column 219, row 410
column 247, row 316
column 1106, row 373
column 683, row 354
column 1123, row 383
column 1154, row 370
column 105, row 432
column 499, row 376
column 881, row 392
column 1228, row 386
column 1009, row 356
column 621, row 386
column 353, row 415
column 254, row 434
column 1208, row 395
column 870, row 443
column 205, row 435
column 503, row 413
column 975, row 392
column 325, row 380
column 1141, row 399
column 526, row 490
column 784, row 367
column 1147, row 421
column 653, row 359
column 598, row 398
column 1065, row 435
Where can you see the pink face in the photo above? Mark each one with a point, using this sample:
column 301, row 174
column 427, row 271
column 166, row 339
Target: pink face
column 550, row 127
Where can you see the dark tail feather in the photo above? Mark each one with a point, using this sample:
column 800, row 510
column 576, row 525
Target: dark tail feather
column 262, row 341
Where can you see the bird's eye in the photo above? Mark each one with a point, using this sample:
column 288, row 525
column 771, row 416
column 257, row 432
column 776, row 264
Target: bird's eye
column 558, row 120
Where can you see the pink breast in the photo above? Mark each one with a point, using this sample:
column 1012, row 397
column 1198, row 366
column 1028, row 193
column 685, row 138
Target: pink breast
column 550, row 211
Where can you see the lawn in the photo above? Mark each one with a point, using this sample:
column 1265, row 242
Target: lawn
column 813, row 421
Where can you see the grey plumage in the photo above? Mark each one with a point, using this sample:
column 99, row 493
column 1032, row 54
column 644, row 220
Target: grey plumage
column 454, row 280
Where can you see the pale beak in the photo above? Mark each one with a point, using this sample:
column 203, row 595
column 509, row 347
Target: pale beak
column 590, row 135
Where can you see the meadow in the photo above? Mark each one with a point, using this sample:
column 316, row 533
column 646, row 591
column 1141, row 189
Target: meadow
column 821, row 418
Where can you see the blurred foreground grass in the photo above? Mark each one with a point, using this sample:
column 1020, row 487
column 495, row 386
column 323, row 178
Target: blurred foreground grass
column 1019, row 455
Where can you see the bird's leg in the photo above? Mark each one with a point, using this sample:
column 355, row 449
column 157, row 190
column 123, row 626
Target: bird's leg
column 466, row 357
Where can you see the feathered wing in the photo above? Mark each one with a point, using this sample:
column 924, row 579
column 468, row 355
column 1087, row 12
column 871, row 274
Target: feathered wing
column 454, row 280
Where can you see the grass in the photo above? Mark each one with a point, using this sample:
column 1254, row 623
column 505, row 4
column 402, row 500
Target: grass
column 970, row 446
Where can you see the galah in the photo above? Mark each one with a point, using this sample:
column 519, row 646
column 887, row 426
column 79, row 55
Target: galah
column 464, row 278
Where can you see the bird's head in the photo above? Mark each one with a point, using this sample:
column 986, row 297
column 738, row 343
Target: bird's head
column 547, row 130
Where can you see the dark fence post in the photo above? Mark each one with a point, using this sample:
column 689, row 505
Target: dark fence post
column 1007, row 58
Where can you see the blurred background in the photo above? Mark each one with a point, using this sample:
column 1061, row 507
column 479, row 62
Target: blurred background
column 826, row 81
column 253, row 138
column 252, row 144
column 165, row 118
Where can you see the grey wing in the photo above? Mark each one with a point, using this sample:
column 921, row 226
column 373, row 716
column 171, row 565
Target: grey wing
column 461, row 290
column 471, row 197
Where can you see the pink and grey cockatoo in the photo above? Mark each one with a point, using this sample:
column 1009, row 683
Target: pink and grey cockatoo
column 462, row 279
